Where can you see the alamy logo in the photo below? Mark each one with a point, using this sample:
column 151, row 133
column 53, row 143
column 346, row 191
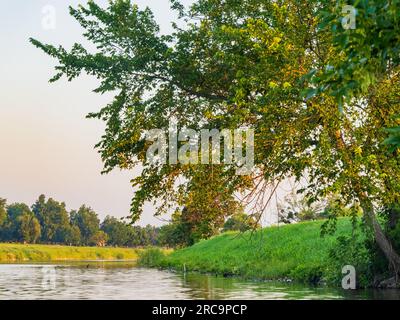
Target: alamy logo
column 349, row 17
column 49, row 17
column 49, row 278
column 349, row 280
column 189, row 146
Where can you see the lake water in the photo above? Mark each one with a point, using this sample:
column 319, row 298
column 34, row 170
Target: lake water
column 122, row 280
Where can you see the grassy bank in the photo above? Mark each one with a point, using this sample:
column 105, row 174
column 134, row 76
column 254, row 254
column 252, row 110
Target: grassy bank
column 41, row 253
column 293, row 251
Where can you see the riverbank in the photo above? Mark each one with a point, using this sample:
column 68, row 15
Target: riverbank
column 296, row 252
column 47, row 253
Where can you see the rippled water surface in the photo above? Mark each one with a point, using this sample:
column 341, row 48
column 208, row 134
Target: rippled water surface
column 121, row 280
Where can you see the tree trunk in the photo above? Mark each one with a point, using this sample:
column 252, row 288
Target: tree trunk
column 380, row 237
column 369, row 212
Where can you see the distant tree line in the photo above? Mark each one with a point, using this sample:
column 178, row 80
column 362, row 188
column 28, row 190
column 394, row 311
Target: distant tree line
column 48, row 221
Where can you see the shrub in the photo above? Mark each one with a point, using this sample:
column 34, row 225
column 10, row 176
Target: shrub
column 352, row 251
column 152, row 257
column 307, row 274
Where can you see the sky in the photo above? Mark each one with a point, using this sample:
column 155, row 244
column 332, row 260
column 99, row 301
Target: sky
column 46, row 144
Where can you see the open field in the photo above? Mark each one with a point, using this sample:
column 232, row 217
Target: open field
column 42, row 253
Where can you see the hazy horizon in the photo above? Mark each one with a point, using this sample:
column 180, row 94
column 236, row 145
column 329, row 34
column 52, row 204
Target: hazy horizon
column 47, row 144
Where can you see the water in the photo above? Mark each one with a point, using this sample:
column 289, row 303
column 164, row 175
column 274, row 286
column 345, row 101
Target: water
column 122, row 280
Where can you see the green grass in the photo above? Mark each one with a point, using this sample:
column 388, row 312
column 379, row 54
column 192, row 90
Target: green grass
column 43, row 253
column 295, row 251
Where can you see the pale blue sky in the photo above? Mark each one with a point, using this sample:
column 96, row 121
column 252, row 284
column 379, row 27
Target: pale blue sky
column 46, row 144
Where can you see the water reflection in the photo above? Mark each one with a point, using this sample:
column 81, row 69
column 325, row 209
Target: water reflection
column 122, row 280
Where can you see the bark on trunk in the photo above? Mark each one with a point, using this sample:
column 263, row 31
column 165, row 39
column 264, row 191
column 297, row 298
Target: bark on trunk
column 369, row 212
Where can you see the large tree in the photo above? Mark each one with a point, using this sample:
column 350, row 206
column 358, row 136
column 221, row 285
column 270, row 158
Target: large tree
column 88, row 223
column 237, row 64
column 21, row 224
column 54, row 219
column 29, row 228
column 118, row 232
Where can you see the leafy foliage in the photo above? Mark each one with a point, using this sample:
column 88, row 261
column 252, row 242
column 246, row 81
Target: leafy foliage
column 351, row 251
column 88, row 223
column 20, row 224
column 117, row 231
column 54, row 219
column 365, row 55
